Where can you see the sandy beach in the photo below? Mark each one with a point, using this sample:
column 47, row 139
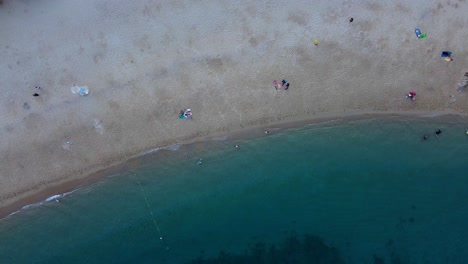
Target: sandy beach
column 143, row 61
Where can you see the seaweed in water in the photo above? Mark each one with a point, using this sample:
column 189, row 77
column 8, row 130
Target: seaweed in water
column 311, row 249
column 378, row 260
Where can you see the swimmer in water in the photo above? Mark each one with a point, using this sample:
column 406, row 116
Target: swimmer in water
column 438, row 132
column 426, row 137
column 466, row 131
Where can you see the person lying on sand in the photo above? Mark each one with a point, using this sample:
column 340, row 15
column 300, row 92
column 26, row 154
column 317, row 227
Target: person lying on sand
column 277, row 85
column 185, row 113
column 411, row 95
column 285, row 84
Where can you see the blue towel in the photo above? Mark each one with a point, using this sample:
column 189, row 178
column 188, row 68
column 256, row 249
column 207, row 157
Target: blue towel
column 446, row 54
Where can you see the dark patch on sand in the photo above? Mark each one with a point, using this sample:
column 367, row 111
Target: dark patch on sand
column 33, row 121
column 144, row 43
column 464, row 83
column 300, row 18
column 113, row 105
column 9, row 129
column 366, row 25
column 253, row 42
column 375, row 7
column 26, row 106
column 330, row 16
column 215, row 64
column 152, row 10
column 402, row 8
column 98, row 57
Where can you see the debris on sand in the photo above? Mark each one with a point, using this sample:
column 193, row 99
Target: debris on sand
column 464, row 83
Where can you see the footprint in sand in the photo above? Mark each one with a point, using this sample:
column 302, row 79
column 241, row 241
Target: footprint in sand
column 98, row 126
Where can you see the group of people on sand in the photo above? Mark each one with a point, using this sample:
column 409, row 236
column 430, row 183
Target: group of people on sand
column 283, row 85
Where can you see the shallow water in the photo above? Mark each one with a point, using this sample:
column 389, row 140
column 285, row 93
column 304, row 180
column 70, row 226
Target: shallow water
column 371, row 188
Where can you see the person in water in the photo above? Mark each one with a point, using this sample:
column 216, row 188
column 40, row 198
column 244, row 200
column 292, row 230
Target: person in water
column 426, row 137
column 438, row 132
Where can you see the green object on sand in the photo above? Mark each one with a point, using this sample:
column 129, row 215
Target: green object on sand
column 423, row 35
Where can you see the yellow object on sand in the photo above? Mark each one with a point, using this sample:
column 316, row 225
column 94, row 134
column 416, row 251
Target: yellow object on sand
column 315, row 42
column 448, row 59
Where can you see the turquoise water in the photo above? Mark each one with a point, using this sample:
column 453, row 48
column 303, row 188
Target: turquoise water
column 369, row 191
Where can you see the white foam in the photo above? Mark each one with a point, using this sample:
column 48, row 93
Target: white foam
column 54, row 197
column 29, row 206
column 172, row 147
column 433, row 115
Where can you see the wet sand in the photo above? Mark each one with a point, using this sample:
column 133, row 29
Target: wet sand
column 144, row 61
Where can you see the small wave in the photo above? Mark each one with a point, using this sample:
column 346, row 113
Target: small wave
column 54, row 197
column 15, row 212
column 152, row 151
column 172, row 147
column 29, row 206
column 433, row 115
column 325, row 122
column 68, row 193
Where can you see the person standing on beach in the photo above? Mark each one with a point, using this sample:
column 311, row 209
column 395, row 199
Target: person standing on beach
column 38, row 88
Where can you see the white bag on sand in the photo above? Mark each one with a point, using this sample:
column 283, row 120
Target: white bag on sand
column 81, row 90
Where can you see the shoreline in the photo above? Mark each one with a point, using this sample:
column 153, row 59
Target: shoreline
column 78, row 181
column 218, row 58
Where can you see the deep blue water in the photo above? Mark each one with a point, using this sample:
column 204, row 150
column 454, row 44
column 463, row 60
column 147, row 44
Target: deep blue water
column 372, row 189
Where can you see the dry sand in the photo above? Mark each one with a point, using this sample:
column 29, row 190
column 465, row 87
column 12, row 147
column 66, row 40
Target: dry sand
column 145, row 60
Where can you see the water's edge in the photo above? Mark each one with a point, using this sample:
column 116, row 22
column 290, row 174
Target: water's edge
column 60, row 190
